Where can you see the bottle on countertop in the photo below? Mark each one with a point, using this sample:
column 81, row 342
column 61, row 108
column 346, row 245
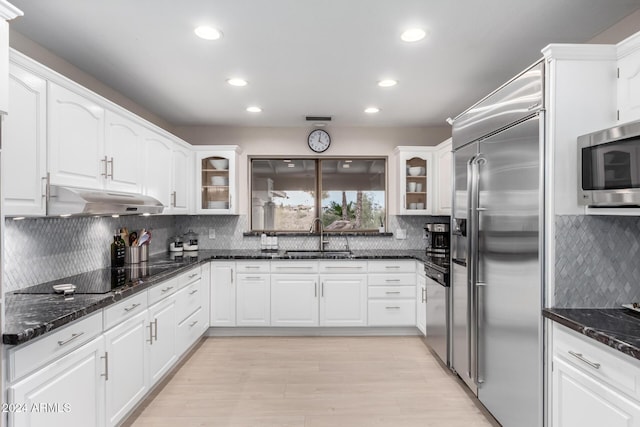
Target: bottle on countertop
column 263, row 242
column 190, row 241
column 117, row 250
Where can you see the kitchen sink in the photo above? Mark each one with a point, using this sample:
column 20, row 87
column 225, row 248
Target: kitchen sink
column 319, row 254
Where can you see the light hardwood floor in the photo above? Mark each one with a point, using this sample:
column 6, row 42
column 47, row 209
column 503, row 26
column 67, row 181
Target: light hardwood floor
column 311, row 382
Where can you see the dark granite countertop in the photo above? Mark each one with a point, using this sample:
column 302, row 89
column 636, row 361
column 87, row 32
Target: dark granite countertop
column 618, row 328
column 34, row 311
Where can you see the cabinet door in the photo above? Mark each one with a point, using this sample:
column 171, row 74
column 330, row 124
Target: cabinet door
column 162, row 334
column 253, row 300
column 443, row 193
column 67, row 392
column 343, row 300
column 127, row 347
column 580, row 400
column 4, row 65
column 182, row 180
column 421, row 304
column 629, row 88
column 415, row 181
column 159, row 163
column 76, row 139
column 216, row 182
column 123, row 148
column 294, row 300
column 24, row 145
column 223, row 294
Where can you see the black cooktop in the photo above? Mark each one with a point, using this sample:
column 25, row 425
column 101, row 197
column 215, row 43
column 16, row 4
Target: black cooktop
column 438, row 263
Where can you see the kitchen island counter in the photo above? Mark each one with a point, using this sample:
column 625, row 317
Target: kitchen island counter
column 36, row 310
column 617, row 328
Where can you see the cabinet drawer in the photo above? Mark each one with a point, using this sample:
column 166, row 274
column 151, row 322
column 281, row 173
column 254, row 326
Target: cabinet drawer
column 252, row 267
column 162, row 290
column 392, row 292
column 392, row 312
column 190, row 329
column 190, row 276
column 27, row 358
column 294, row 266
column 615, row 368
column 346, row 266
column 407, row 279
column 189, row 299
column 392, row 266
column 125, row 309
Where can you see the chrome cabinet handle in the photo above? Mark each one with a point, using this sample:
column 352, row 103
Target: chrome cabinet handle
column 167, row 289
column 252, row 278
column 580, row 357
column 390, row 293
column 322, row 290
column 343, row 267
column 68, row 340
column 174, row 199
column 106, row 366
column 192, row 324
column 105, row 173
column 191, row 276
column 424, row 295
column 131, row 307
column 231, row 276
column 391, row 266
column 393, row 307
column 392, row 280
column 151, row 333
column 193, row 292
column 155, row 323
column 315, row 286
column 111, row 174
column 251, row 267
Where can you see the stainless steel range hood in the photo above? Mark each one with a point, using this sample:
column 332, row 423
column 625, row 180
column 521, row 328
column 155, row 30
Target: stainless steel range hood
column 67, row 201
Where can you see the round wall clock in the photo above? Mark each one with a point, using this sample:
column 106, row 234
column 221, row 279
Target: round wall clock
column 319, row 140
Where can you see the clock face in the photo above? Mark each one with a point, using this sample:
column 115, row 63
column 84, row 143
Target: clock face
column 319, row 140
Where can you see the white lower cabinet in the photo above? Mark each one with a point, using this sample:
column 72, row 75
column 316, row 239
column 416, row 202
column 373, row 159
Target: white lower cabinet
column 592, row 385
column 253, row 299
column 294, row 300
column 162, row 337
column 421, row 304
column 392, row 293
column 127, row 346
column 343, row 300
column 223, row 294
column 67, row 392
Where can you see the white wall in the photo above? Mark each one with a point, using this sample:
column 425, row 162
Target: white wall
column 292, row 142
column 624, row 28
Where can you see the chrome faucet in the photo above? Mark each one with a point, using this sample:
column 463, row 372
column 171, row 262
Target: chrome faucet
column 323, row 242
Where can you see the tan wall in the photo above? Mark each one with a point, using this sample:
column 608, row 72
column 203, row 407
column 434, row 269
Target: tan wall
column 626, row 27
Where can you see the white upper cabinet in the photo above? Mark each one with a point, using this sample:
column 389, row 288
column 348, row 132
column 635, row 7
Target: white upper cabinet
column 629, row 79
column 182, row 179
column 217, row 180
column 415, row 195
column 443, row 196
column 76, row 139
column 123, row 150
column 7, row 12
column 24, row 151
column 159, row 163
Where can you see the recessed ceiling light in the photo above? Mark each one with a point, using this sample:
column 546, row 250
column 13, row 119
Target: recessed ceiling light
column 291, row 165
column 346, row 166
column 254, row 109
column 65, row 215
column 387, row 83
column 319, row 125
column 237, row 82
column 18, row 218
column 287, row 161
column 208, row 33
column 413, row 35
column 115, row 216
column 371, row 110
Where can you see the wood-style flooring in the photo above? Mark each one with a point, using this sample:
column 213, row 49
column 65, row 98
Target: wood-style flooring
column 311, row 382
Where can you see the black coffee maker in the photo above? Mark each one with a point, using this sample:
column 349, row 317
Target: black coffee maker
column 437, row 239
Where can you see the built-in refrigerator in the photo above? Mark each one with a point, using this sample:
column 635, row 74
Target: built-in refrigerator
column 497, row 224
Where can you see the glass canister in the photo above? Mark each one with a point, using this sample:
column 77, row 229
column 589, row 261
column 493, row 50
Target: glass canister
column 190, row 241
column 176, row 244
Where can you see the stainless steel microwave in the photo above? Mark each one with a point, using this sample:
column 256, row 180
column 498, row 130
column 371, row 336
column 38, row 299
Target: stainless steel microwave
column 609, row 167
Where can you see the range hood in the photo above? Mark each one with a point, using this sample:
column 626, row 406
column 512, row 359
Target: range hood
column 74, row 201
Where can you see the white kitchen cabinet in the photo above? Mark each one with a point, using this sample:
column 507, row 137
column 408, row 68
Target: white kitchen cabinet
column 392, row 293
column 443, row 196
column 592, row 383
column 127, row 346
column 343, row 299
column 253, row 299
column 216, row 180
column 421, row 303
column 67, row 392
column 223, row 294
column 161, row 330
column 124, row 153
column 415, row 180
column 190, row 330
column 158, row 164
column 7, row 12
column 182, row 180
column 24, row 151
column 628, row 84
column 75, row 139
column 294, row 299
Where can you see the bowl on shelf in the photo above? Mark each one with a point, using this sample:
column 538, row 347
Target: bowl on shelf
column 218, row 205
column 415, row 170
column 219, row 180
column 220, row 164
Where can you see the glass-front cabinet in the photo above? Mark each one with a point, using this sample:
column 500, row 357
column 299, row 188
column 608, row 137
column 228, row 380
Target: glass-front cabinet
column 415, row 181
column 217, row 180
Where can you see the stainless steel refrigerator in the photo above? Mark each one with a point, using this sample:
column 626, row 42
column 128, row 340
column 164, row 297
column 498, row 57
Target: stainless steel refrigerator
column 496, row 249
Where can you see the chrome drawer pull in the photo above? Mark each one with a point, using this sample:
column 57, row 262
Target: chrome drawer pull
column 253, row 278
column 391, row 266
column 343, row 267
column 193, row 292
column 167, row 289
column 580, row 357
column 128, row 309
column 307, row 267
column 191, row 276
column 106, row 366
column 392, row 280
column 193, row 324
column 389, row 293
column 392, row 307
column 73, row 337
column 252, row 267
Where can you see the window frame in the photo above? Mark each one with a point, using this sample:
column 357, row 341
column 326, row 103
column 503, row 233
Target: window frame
column 318, row 190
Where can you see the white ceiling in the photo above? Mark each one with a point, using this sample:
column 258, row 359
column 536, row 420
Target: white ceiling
column 304, row 57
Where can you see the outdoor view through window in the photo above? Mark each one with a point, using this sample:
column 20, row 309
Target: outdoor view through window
column 285, row 194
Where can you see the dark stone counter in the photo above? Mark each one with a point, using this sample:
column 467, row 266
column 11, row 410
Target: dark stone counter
column 617, row 328
column 36, row 310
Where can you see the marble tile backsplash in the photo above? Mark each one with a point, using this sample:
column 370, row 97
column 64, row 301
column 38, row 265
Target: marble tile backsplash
column 597, row 261
column 44, row 249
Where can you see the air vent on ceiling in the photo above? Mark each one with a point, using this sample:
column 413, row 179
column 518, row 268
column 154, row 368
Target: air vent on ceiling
column 318, row 118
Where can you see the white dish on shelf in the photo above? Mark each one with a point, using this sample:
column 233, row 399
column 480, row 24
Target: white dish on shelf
column 415, row 170
column 218, row 205
column 219, row 180
column 631, row 307
column 220, row 164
